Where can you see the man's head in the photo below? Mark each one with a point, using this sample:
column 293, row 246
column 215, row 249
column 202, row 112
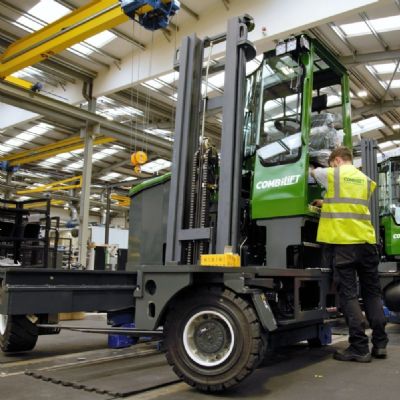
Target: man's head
column 340, row 156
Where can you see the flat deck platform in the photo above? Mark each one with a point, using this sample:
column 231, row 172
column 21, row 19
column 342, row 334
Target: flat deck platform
column 79, row 366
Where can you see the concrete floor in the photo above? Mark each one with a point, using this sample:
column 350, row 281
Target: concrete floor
column 297, row 372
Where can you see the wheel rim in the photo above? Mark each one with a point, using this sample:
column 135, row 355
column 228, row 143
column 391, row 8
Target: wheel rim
column 3, row 323
column 208, row 338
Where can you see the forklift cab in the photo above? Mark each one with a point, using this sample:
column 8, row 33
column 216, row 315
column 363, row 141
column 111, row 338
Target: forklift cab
column 297, row 111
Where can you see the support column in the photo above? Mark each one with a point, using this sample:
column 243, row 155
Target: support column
column 8, row 191
column 88, row 135
column 108, row 216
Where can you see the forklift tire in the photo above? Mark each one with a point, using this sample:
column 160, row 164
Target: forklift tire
column 213, row 339
column 17, row 333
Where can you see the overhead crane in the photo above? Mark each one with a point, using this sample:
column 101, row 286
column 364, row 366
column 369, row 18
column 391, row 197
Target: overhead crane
column 80, row 24
column 49, row 150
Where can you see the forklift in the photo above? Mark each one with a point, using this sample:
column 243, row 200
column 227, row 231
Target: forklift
column 223, row 262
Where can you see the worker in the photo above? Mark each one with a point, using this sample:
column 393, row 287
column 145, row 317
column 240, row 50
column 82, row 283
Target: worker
column 345, row 227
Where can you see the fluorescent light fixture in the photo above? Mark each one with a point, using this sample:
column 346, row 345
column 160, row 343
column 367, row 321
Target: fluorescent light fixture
column 156, row 165
column 95, row 208
column 362, row 93
column 396, row 126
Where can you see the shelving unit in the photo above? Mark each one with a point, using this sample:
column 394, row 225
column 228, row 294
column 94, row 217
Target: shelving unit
column 25, row 242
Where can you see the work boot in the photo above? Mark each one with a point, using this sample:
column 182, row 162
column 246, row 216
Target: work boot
column 379, row 352
column 350, row 354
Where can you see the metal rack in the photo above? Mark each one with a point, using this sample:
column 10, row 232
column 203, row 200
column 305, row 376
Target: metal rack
column 25, row 242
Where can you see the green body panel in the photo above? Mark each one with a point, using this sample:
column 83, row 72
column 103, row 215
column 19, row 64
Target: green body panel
column 392, row 235
column 280, row 190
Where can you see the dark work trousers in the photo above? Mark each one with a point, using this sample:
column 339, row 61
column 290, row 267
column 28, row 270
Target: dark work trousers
column 349, row 261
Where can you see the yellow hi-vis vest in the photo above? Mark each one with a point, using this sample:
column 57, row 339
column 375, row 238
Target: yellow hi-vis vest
column 345, row 216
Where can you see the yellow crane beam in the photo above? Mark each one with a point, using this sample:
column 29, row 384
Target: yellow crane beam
column 50, row 150
column 64, row 184
column 20, row 82
column 123, row 201
column 80, row 24
column 41, row 149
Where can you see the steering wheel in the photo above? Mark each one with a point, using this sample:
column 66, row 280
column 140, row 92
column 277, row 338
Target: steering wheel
column 287, row 125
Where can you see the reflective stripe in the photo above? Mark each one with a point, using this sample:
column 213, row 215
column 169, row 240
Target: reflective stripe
column 325, row 214
column 336, row 182
column 346, row 200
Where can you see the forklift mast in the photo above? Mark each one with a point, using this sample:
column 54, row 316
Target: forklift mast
column 182, row 232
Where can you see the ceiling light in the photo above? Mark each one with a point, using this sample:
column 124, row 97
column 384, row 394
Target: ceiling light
column 396, row 126
column 362, row 93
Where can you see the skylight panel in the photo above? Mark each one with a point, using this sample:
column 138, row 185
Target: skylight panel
column 76, row 165
column 366, row 125
column 385, row 24
column 129, row 178
column 356, row 29
column 386, row 145
column 109, row 152
column 169, row 78
column 26, row 136
column 217, row 80
column 153, row 84
column 41, row 128
column 156, row 165
column 46, row 10
column 101, row 39
column 99, row 156
column 6, row 149
column 98, row 40
column 395, row 84
column 14, row 142
column 110, row 175
column 386, row 68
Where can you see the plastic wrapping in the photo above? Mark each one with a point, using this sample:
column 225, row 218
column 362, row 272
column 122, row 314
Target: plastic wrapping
column 323, row 139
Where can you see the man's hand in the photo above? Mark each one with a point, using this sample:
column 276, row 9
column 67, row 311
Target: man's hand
column 317, row 203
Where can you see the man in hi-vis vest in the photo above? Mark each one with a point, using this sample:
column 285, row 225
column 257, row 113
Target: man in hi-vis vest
column 345, row 226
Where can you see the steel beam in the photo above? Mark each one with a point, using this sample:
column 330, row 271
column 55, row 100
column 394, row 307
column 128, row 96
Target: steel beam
column 376, row 108
column 76, row 117
column 370, row 57
column 74, row 27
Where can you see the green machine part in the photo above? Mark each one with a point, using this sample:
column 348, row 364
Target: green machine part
column 391, row 235
column 281, row 187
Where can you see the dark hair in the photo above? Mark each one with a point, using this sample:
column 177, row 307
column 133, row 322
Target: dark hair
column 343, row 152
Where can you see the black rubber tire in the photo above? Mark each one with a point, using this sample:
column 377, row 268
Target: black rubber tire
column 248, row 347
column 20, row 334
